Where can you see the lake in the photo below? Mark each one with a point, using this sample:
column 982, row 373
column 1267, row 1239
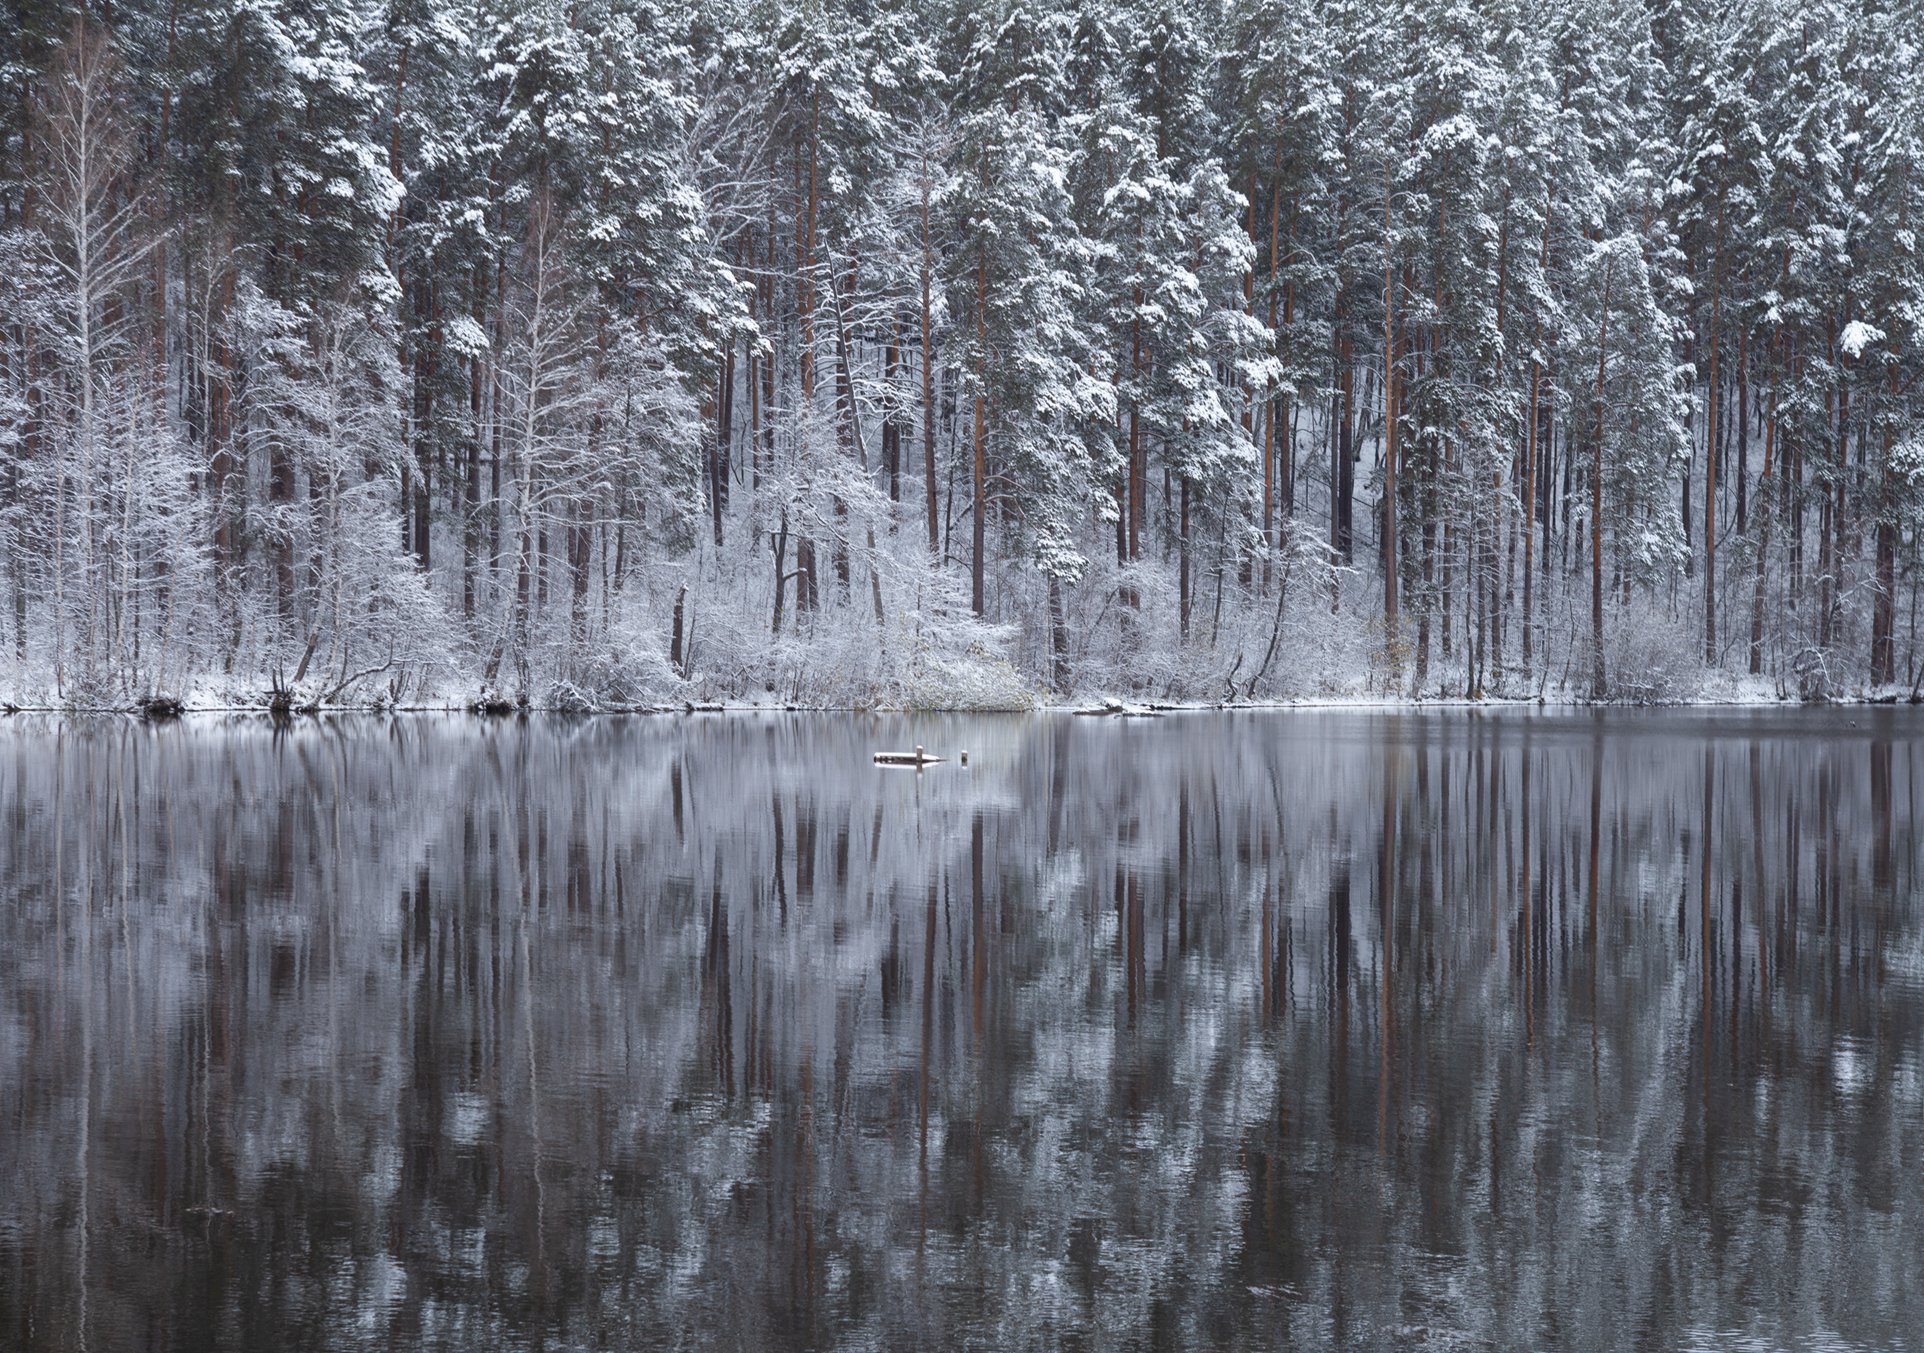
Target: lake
column 1416, row 1029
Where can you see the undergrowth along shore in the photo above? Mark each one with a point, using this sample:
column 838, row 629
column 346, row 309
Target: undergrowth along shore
column 166, row 709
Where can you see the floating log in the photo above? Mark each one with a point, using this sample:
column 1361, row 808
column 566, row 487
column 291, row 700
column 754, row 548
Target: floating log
column 1116, row 709
column 917, row 758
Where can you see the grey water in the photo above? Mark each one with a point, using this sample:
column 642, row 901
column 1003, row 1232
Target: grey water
column 1306, row 1029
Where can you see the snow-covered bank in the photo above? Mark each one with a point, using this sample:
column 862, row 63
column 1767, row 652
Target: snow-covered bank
column 214, row 697
column 934, row 657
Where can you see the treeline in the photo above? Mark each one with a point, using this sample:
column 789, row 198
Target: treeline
column 933, row 352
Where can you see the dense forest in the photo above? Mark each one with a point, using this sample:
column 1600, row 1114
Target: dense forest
column 939, row 353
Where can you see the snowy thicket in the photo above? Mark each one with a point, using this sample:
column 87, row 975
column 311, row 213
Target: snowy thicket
column 930, row 352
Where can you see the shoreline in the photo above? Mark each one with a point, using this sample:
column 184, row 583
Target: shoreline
column 1098, row 710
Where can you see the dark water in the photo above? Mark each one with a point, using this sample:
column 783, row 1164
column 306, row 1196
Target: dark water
column 1304, row 1029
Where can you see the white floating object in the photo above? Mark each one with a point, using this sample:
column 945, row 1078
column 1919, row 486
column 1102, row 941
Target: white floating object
column 917, row 758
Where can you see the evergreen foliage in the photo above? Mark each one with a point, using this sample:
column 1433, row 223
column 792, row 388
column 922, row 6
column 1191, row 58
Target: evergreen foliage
column 842, row 352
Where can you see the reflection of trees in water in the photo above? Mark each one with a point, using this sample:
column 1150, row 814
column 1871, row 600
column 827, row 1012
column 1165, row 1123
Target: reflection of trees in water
column 1197, row 1030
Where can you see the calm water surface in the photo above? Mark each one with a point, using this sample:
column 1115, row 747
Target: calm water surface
column 1297, row 1029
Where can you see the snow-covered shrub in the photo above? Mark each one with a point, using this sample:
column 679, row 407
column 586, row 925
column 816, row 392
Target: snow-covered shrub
column 1654, row 660
column 977, row 677
column 617, row 672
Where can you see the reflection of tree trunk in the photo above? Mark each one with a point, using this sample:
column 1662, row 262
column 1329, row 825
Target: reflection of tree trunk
column 1705, row 847
column 1526, row 897
column 1135, row 955
column 1386, row 882
column 805, row 1177
column 1882, row 874
column 924, row 1076
column 1339, row 944
column 717, row 973
column 777, row 851
column 1593, row 881
column 1183, row 829
column 83, row 1136
column 977, row 960
column 1266, row 952
column 1757, row 869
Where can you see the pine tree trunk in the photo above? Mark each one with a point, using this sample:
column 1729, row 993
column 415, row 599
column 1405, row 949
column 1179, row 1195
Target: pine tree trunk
column 928, row 376
column 978, row 515
column 1884, row 599
column 1763, row 537
column 1597, row 687
column 1530, row 508
column 1346, row 454
column 1058, row 638
column 1183, row 574
column 1711, row 448
column 1389, row 441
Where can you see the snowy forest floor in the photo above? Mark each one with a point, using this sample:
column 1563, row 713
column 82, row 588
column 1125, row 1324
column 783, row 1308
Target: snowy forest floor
column 925, row 661
column 225, row 696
